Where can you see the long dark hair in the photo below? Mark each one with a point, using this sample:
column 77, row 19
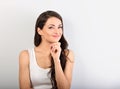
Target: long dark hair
column 41, row 20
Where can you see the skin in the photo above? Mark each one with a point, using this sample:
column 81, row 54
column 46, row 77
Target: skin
column 51, row 34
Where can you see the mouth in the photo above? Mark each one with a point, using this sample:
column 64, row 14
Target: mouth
column 56, row 36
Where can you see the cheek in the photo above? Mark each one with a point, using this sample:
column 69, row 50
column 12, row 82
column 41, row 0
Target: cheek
column 47, row 33
column 61, row 31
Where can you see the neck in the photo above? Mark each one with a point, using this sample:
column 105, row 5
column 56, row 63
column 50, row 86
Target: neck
column 44, row 48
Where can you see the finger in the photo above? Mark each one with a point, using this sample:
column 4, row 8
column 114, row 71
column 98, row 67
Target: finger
column 59, row 43
column 54, row 48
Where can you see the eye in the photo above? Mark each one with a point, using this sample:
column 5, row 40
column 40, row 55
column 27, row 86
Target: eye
column 50, row 27
column 60, row 27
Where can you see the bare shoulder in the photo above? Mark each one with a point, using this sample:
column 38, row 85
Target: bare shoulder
column 24, row 57
column 70, row 55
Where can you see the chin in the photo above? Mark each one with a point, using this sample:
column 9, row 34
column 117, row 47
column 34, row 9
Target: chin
column 54, row 41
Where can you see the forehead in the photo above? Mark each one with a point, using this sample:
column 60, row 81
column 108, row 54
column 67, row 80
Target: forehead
column 53, row 20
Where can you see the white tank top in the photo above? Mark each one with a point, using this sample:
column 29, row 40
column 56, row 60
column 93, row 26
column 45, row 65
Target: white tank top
column 40, row 77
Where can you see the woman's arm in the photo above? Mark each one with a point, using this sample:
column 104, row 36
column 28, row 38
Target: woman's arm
column 24, row 75
column 64, row 79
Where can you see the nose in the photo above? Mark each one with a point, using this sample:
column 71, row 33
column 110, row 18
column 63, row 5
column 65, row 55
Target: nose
column 57, row 30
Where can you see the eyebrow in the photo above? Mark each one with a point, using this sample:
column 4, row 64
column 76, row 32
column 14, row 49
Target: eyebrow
column 54, row 25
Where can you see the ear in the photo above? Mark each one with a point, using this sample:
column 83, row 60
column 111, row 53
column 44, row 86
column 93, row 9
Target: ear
column 39, row 31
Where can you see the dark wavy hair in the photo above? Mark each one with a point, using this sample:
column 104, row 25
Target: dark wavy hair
column 41, row 21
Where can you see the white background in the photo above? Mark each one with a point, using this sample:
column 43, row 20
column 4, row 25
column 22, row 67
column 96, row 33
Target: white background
column 92, row 28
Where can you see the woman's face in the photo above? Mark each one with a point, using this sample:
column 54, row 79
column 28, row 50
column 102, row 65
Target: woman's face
column 52, row 30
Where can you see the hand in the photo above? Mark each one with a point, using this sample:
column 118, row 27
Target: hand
column 55, row 50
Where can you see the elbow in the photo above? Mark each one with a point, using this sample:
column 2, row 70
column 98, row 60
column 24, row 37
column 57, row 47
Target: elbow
column 68, row 86
column 64, row 86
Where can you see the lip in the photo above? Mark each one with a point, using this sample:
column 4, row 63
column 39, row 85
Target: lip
column 56, row 36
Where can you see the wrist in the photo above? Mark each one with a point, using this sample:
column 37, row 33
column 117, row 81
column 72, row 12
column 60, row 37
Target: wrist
column 57, row 60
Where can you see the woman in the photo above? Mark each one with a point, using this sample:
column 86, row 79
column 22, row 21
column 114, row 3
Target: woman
column 49, row 64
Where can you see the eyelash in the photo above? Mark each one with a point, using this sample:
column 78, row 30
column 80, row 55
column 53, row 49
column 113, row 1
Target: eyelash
column 50, row 27
column 60, row 27
column 53, row 27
